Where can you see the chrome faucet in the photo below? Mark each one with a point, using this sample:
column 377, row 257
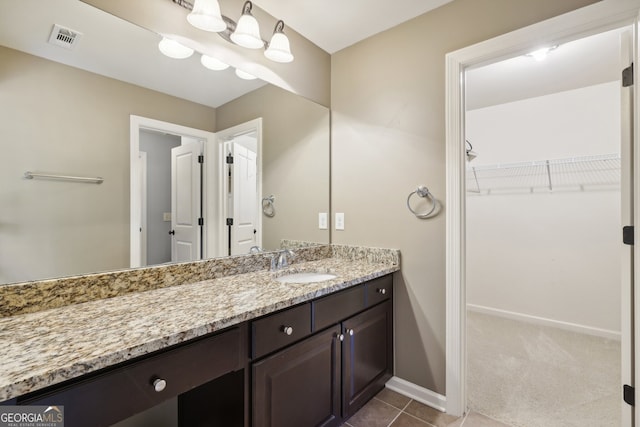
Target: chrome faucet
column 281, row 259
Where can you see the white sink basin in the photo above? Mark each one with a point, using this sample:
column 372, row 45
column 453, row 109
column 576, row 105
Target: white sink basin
column 305, row 277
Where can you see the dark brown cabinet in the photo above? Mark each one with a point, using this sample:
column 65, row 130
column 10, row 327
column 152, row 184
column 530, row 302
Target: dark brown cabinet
column 367, row 356
column 324, row 379
column 299, row 386
column 311, row 365
column 115, row 394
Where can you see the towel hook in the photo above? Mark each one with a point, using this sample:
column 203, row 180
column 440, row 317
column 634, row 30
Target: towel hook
column 422, row 192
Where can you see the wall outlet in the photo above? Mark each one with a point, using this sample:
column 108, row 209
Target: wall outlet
column 339, row 221
column 166, row 216
column 322, row 221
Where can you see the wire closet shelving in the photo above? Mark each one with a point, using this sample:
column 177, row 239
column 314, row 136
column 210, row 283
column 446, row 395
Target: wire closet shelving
column 569, row 174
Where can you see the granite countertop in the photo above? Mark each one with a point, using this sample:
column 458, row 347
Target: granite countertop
column 50, row 346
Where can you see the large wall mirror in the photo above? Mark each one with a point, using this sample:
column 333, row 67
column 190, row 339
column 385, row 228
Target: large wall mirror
column 76, row 109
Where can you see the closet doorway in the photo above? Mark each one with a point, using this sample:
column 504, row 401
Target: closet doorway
column 543, row 221
column 594, row 19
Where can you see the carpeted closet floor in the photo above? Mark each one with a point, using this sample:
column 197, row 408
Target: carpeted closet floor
column 527, row 375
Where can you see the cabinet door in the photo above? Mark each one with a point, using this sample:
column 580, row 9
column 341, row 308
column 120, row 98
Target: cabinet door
column 299, row 386
column 367, row 356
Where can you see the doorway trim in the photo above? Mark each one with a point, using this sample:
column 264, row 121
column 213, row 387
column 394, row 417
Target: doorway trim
column 589, row 20
column 138, row 123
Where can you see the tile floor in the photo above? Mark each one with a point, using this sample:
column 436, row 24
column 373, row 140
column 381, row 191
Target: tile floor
column 391, row 409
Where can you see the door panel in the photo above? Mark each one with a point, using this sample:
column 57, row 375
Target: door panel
column 627, row 210
column 244, row 194
column 185, row 202
column 367, row 356
column 299, row 386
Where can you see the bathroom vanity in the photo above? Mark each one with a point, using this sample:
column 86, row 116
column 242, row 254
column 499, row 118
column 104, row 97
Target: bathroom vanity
column 236, row 350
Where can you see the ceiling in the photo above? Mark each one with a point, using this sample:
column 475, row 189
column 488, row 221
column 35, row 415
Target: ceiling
column 580, row 63
column 336, row 24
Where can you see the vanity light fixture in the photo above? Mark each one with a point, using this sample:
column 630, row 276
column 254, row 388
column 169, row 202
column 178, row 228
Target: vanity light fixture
column 206, row 16
column 542, row 53
column 213, row 63
column 279, row 49
column 247, row 32
column 244, row 75
column 173, row 49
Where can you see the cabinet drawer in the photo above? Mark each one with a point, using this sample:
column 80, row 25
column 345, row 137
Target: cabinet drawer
column 280, row 329
column 115, row 395
column 337, row 307
column 379, row 289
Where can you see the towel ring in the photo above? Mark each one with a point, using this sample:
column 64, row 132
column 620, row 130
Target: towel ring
column 268, row 207
column 423, row 192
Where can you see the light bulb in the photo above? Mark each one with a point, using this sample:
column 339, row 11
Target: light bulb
column 279, row 49
column 206, row 16
column 244, row 75
column 173, row 49
column 247, row 32
column 541, row 54
column 213, row 63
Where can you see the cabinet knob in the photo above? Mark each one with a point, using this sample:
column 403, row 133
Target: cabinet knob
column 159, row 384
column 350, row 332
column 287, row 330
column 382, row 291
column 341, row 337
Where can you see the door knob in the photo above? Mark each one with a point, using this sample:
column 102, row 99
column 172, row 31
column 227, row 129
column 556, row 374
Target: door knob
column 172, row 232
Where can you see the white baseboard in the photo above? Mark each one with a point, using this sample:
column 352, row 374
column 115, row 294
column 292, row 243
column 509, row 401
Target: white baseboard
column 416, row 392
column 574, row 327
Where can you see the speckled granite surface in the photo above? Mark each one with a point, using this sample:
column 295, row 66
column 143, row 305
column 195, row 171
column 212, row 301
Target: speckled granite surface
column 46, row 347
column 30, row 297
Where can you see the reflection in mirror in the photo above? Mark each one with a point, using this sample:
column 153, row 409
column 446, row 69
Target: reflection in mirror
column 69, row 112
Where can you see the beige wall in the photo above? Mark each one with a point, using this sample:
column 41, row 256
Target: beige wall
column 388, row 136
column 60, row 119
column 295, row 162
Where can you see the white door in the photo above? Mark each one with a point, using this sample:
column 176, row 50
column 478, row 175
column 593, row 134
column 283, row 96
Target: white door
column 247, row 170
column 143, row 208
column 244, row 195
column 626, row 195
column 185, row 203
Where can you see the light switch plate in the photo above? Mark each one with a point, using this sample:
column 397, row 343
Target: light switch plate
column 322, row 220
column 166, row 216
column 339, row 221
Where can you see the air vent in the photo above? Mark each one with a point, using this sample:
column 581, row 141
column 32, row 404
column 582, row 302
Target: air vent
column 64, row 37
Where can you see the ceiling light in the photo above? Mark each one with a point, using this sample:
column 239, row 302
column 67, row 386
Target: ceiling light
column 173, row 49
column 541, row 54
column 244, row 75
column 279, row 49
column 247, row 32
column 206, row 16
column 213, row 63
